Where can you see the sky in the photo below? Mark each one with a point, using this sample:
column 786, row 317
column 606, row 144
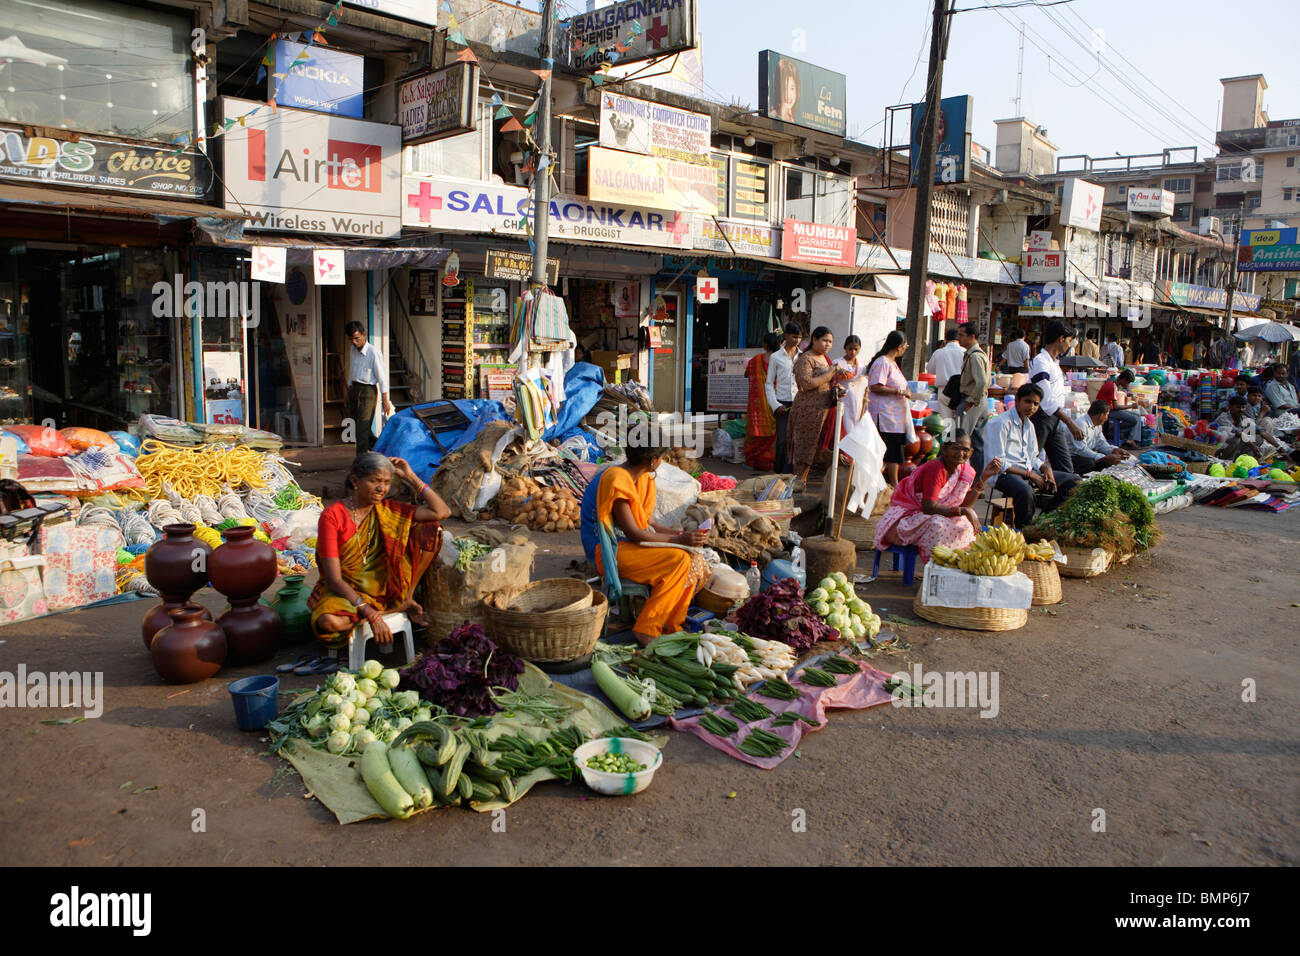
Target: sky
column 1155, row 83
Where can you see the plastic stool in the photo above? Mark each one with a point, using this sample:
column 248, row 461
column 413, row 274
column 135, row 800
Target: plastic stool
column 398, row 623
column 907, row 554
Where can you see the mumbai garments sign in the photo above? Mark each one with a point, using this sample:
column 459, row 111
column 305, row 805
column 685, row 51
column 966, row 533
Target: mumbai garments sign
column 299, row 171
column 103, row 164
column 651, row 129
column 438, row 104
column 456, row 205
column 815, row 242
column 802, row 93
column 630, row 31
column 635, row 180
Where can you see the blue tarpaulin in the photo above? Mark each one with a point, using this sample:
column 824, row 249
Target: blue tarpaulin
column 584, row 383
column 405, row 436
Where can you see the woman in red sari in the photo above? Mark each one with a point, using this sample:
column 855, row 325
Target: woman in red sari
column 760, row 426
column 372, row 551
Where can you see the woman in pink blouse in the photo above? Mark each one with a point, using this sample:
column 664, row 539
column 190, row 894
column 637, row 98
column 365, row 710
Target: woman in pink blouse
column 888, row 403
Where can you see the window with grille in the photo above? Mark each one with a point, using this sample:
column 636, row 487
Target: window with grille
column 950, row 213
column 1181, row 185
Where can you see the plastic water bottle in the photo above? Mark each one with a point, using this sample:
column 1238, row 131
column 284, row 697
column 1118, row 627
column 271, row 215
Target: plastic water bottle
column 754, row 579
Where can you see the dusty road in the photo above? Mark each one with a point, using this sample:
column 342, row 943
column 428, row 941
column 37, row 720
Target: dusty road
column 1126, row 698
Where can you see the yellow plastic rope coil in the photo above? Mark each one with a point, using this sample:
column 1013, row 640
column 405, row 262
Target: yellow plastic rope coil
column 198, row 471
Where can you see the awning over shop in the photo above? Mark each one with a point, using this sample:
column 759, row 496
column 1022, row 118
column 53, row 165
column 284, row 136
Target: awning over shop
column 106, row 203
column 356, row 258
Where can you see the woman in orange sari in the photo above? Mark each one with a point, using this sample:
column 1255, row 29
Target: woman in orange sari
column 760, row 428
column 372, row 552
column 622, row 499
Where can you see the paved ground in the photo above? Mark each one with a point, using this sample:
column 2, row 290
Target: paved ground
column 1126, row 698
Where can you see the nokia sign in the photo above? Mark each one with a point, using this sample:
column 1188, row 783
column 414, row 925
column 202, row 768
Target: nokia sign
column 326, row 80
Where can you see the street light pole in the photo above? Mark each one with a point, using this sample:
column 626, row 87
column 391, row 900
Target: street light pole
column 1232, row 276
column 541, row 184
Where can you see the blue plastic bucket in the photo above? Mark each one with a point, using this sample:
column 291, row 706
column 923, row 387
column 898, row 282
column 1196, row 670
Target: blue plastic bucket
column 256, row 700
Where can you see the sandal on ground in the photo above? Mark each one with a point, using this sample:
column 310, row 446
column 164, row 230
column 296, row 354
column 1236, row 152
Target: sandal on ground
column 318, row 665
column 302, row 659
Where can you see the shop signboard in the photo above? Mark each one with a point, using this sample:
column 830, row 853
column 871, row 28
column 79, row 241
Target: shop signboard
column 1206, row 297
column 728, row 387
column 328, row 81
column 1043, row 301
column 1081, row 204
column 749, row 190
column 223, row 395
column 96, row 163
column 802, row 93
column 1270, row 237
column 652, row 129
column 438, row 104
column 1040, row 240
column 1269, row 258
column 1152, row 202
column 628, row 32
column 1046, row 266
column 736, row 237
column 652, row 181
column 417, row 11
column 456, row 205
column 518, row 266
column 299, row 171
column 815, row 242
column 952, row 140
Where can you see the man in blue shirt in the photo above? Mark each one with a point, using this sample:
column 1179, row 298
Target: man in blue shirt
column 1026, row 472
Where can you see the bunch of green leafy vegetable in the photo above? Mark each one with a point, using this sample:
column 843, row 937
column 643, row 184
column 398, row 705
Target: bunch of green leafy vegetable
column 1102, row 512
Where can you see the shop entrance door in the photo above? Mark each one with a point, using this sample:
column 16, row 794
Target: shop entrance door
column 668, row 382
column 334, row 316
column 712, row 331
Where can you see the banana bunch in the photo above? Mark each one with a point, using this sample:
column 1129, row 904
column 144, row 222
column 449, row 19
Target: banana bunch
column 1000, row 540
column 986, row 563
column 944, row 556
column 1042, row 551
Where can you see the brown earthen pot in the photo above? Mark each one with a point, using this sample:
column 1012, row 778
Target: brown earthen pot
column 252, row 632
column 243, row 567
column 169, row 565
column 190, row 648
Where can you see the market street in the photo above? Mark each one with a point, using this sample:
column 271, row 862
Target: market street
column 1126, row 697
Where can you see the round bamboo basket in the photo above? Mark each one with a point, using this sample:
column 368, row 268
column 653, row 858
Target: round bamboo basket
column 973, row 618
column 1080, row 563
column 1046, row 578
column 551, row 594
column 548, row 638
column 445, row 618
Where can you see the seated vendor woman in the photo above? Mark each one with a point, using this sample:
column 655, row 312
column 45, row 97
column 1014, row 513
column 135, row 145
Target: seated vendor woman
column 934, row 504
column 372, row 551
column 622, row 500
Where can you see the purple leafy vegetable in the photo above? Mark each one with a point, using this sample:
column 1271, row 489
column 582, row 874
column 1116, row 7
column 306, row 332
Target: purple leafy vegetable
column 781, row 614
column 459, row 671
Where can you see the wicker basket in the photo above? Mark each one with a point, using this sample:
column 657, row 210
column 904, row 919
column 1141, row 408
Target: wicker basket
column 1186, row 444
column 973, row 618
column 861, row 531
column 550, row 637
column 445, row 618
column 1047, row 581
column 549, row 595
column 1083, row 564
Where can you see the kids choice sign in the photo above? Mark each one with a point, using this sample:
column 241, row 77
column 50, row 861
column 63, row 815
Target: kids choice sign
column 298, row 171
column 103, row 164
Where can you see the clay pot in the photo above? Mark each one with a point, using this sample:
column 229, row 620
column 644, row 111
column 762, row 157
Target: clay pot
column 169, row 565
column 252, row 632
column 159, row 617
column 243, row 567
column 190, row 648
column 291, row 605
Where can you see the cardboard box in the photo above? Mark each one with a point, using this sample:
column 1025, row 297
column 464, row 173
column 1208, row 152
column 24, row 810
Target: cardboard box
column 611, row 361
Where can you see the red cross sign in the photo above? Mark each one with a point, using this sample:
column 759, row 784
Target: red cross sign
column 706, row 290
column 424, row 200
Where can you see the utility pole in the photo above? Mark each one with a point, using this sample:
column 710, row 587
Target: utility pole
column 1232, row 275
column 917, row 328
column 542, row 133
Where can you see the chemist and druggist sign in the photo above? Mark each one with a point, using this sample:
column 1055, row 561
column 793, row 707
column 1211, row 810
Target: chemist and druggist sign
column 447, row 204
column 103, row 164
column 630, row 31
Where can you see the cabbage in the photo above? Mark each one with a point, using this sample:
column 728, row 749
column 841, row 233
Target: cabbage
column 348, row 709
column 338, row 742
column 361, row 717
column 343, row 682
column 837, row 599
column 406, row 700
column 371, row 670
column 840, row 578
column 820, row 608
column 828, row 584
column 340, row 723
column 384, row 693
column 366, row 687
column 866, row 610
column 859, row 607
column 816, row 595
column 372, row 705
column 318, row 726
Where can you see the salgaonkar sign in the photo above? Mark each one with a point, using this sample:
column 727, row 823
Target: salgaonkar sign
column 103, row 164
column 438, row 104
column 651, row 181
column 298, row 171
column 455, row 205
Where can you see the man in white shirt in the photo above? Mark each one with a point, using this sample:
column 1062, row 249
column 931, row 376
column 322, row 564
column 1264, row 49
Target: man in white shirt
column 1015, row 354
column 780, row 390
column 1010, row 437
column 1052, row 423
column 1093, row 452
column 1113, row 354
column 367, row 381
column 943, row 365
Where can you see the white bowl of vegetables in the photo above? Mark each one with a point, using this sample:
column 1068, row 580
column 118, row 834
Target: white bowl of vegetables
column 615, row 761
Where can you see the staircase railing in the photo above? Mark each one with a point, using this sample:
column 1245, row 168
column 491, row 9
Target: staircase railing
column 408, row 344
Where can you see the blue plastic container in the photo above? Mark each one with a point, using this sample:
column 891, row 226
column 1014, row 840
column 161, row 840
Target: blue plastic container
column 256, row 700
column 778, row 569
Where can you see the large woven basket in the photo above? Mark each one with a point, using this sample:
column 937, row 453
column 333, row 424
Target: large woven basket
column 973, row 618
column 551, row 594
column 445, row 618
column 1082, row 563
column 1047, row 581
column 1187, row 444
column 549, row 637
column 862, row 530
